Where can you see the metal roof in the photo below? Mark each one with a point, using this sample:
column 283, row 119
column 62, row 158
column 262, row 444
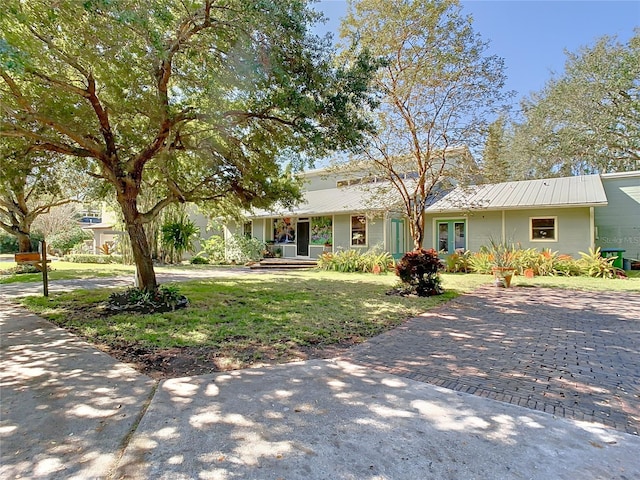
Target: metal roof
column 336, row 201
column 578, row 191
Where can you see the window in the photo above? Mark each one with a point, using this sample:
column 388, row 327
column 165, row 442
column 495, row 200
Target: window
column 544, row 229
column 358, row 230
column 451, row 236
column 247, row 230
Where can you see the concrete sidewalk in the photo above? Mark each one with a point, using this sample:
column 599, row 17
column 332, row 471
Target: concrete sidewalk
column 70, row 411
column 66, row 408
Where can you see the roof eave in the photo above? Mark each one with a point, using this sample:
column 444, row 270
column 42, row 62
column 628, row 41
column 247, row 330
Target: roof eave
column 519, row 207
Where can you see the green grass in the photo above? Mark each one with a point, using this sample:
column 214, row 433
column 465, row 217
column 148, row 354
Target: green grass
column 68, row 271
column 631, row 284
column 262, row 314
column 272, row 317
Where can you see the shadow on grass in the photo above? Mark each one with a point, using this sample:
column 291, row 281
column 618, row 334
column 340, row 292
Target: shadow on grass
column 239, row 321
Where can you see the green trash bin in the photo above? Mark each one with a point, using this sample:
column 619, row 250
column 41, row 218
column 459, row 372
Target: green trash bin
column 613, row 252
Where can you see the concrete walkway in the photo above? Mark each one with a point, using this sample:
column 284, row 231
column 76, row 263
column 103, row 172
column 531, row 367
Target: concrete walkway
column 66, row 408
column 69, row 411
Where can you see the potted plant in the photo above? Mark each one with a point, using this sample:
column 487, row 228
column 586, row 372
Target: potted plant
column 502, row 256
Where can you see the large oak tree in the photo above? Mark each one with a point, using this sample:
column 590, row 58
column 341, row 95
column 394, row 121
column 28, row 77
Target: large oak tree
column 193, row 100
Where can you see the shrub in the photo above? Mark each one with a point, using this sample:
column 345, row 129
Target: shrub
column 480, row 262
column 198, row 260
column 213, row 249
column 23, row 268
column 164, row 299
column 524, row 259
column 65, row 241
column 240, row 249
column 566, row 265
column 90, row 258
column 353, row 260
column 418, row 270
column 340, row 261
column 458, row 262
column 593, row 264
column 376, row 260
column 9, row 243
column 177, row 237
column 107, row 248
column 545, row 263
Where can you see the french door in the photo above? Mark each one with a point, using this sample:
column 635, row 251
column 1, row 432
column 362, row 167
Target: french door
column 451, row 235
column 398, row 243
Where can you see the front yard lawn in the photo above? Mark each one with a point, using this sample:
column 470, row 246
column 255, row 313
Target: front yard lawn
column 246, row 320
column 60, row 270
column 251, row 319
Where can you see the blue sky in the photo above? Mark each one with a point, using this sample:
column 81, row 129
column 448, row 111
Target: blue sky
column 531, row 36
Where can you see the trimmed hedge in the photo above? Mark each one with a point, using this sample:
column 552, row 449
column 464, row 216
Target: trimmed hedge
column 89, row 258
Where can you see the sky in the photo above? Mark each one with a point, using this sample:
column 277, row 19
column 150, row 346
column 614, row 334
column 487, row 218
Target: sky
column 532, row 36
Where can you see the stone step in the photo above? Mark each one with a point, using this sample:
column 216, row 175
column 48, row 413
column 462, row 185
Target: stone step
column 284, row 263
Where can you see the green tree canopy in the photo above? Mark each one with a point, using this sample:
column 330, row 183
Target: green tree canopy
column 437, row 90
column 31, row 184
column 588, row 119
column 196, row 101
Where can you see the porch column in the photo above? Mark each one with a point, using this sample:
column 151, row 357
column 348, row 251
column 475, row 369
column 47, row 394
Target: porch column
column 592, row 228
column 504, row 227
column 385, row 219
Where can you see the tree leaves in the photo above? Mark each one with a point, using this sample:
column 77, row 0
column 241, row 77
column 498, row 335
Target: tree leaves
column 195, row 101
column 588, row 119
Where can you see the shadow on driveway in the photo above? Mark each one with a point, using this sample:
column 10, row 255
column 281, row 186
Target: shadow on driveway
column 568, row 353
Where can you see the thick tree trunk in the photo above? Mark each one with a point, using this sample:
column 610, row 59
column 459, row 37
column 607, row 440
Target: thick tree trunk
column 24, row 242
column 142, row 257
column 140, row 246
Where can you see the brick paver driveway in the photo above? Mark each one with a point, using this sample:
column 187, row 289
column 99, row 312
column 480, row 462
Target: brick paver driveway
column 571, row 354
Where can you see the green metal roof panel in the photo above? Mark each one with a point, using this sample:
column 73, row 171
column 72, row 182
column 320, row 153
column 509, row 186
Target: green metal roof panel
column 584, row 190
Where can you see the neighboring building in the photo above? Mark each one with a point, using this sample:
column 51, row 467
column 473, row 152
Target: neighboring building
column 567, row 215
column 100, row 221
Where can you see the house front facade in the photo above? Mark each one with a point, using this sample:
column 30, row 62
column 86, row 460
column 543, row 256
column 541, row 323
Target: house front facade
column 567, row 215
column 554, row 213
column 334, row 215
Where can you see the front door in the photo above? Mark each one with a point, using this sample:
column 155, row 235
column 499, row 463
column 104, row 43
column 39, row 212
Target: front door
column 302, row 239
column 451, row 236
column 398, row 247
